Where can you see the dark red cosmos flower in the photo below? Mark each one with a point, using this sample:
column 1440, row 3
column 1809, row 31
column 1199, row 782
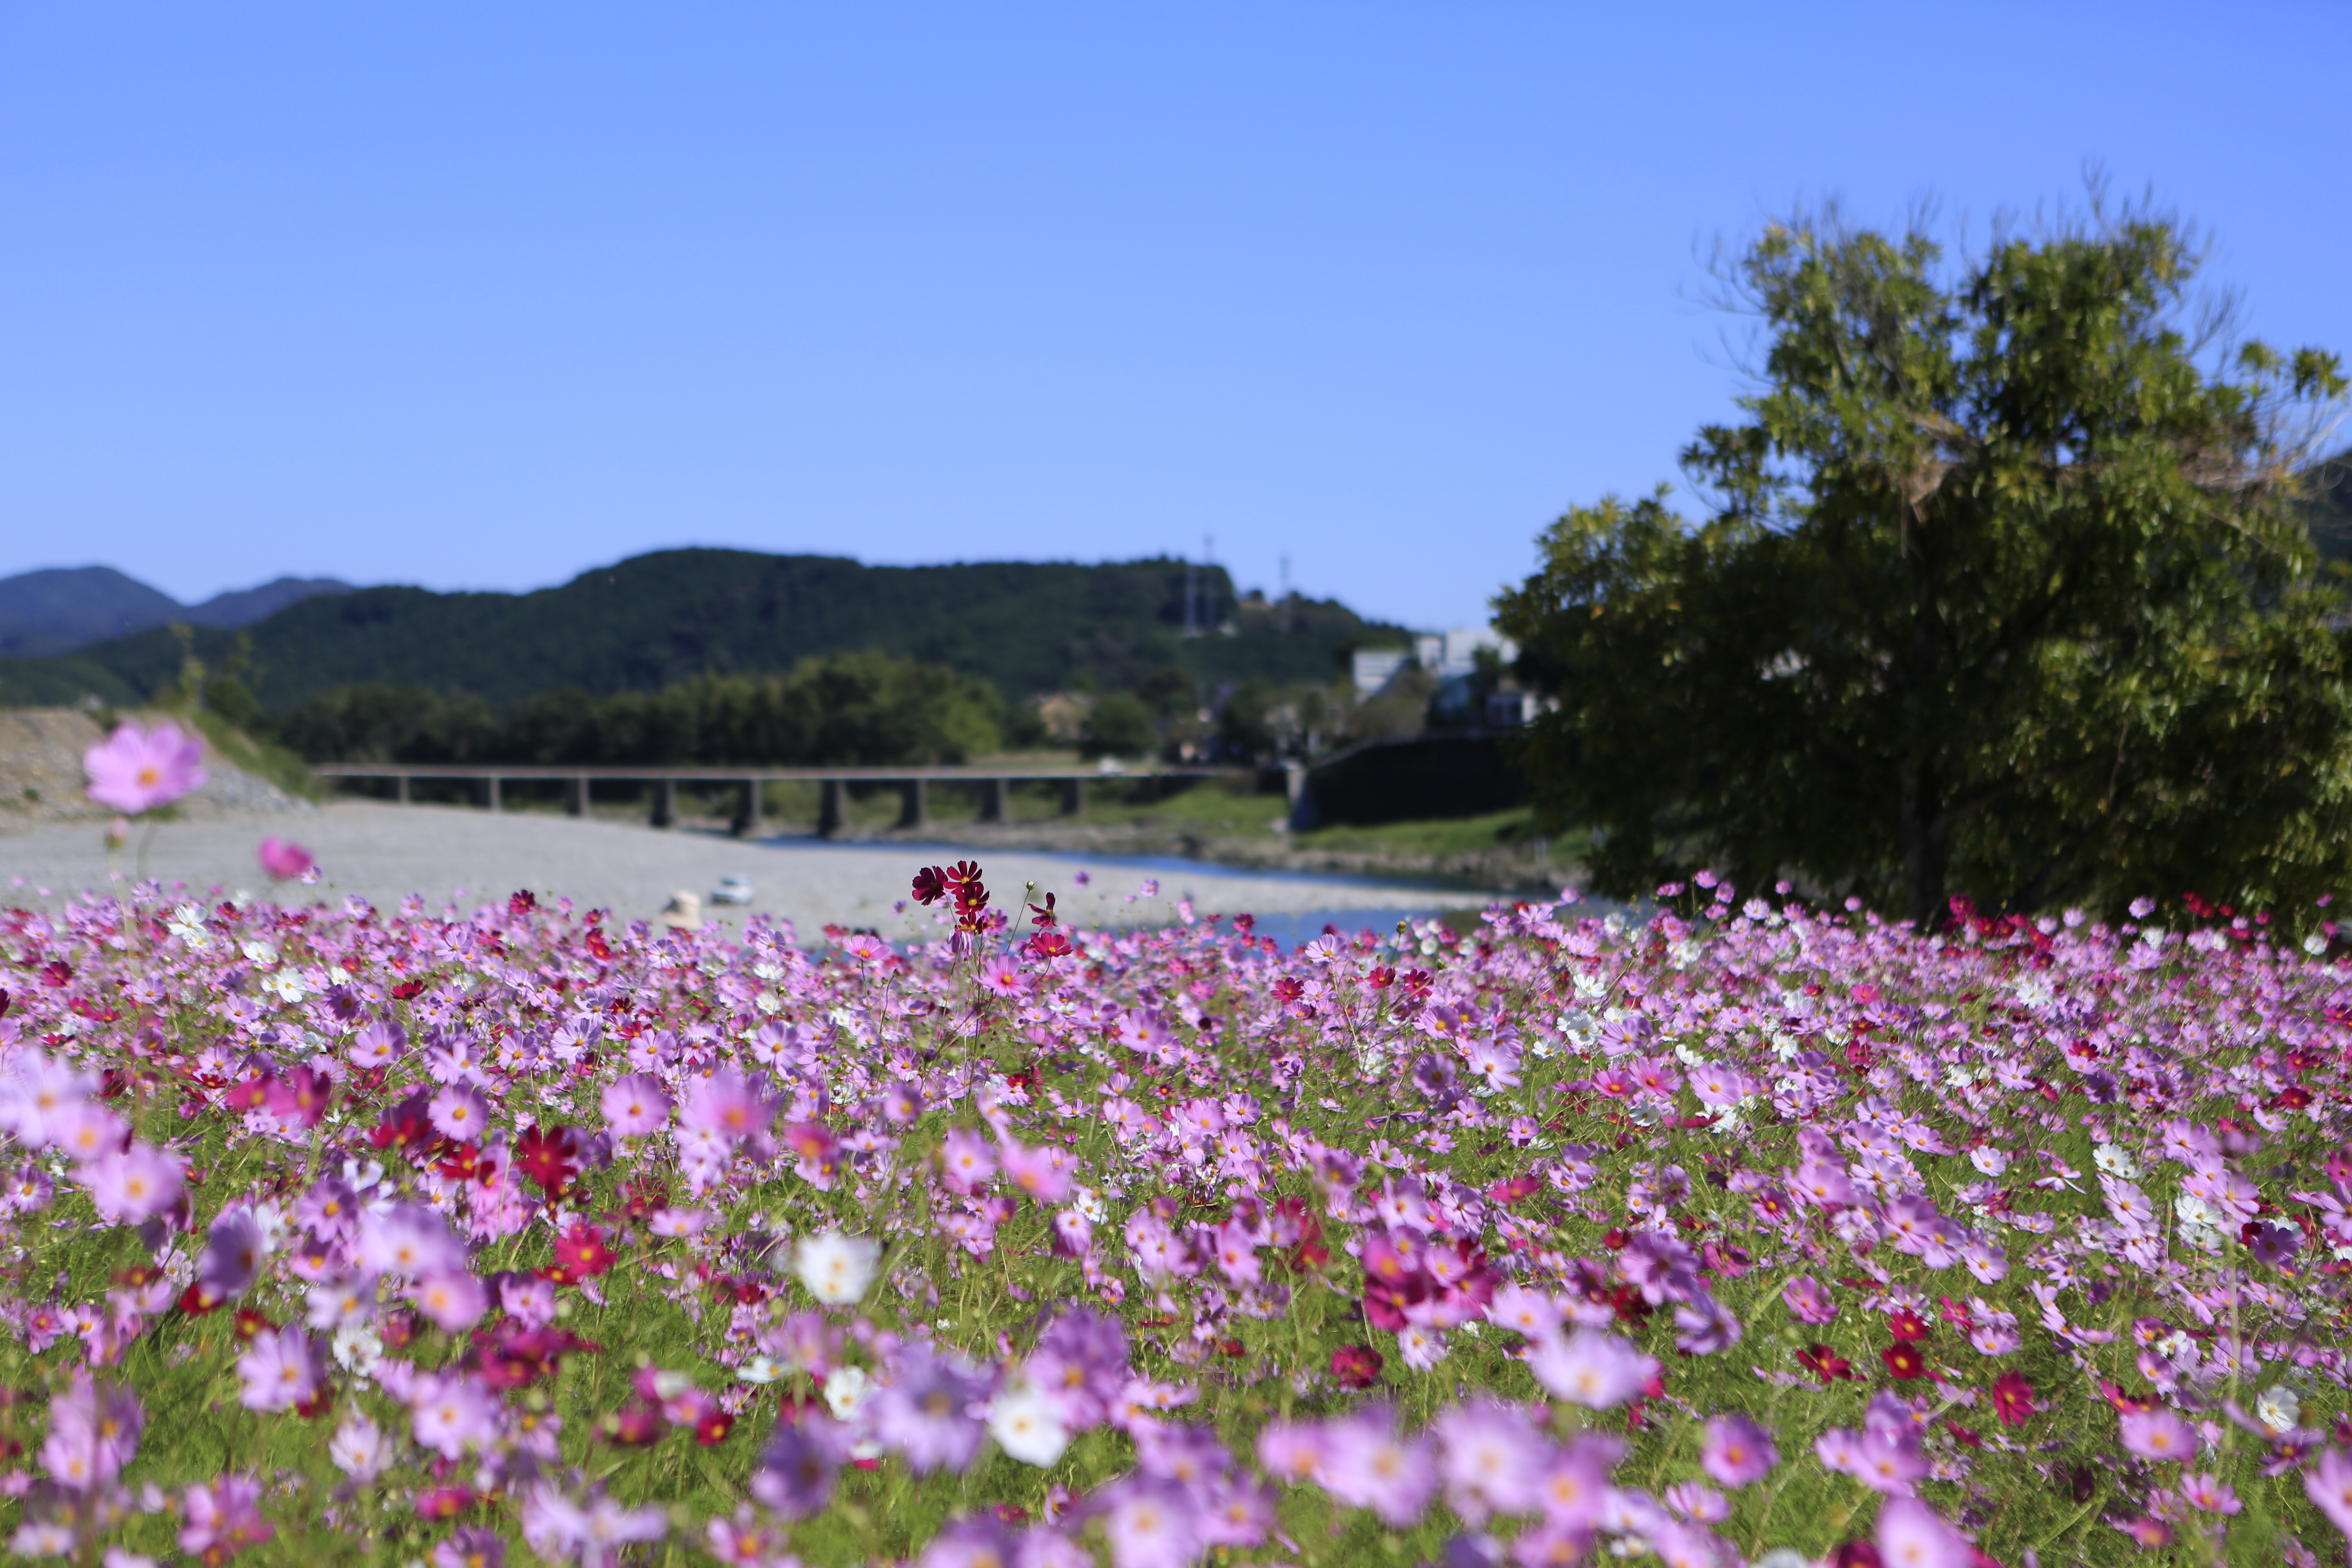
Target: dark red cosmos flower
column 443, row 1502
column 633, row 1425
column 408, row 1122
column 1904, row 1361
column 1857, row 1554
column 2013, row 1399
column 251, row 1322
column 930, row 884
column 1050, row 943
column 1356, row 1366
column 581, row 1251
column 550, row 1156
column 1906, row 1325
column 712, row 1426
column 1825, row 1364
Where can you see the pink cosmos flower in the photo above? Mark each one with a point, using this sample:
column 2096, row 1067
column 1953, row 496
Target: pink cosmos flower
column 129, row 1188
column 231, row 1259
column 1153, row 1524
column 283, row 858
column 1291, row 1451
column 1043, row 1173
column 280, row 1369
column 224, row 1518
column 2159, row 1434
column 964, row 1155
column 796, row 1472
column 727, row 1104
column 1596, row 1370
column 471, row 1547
column 459, row 1114
column 2208, row 1491
column 93, row 1432
column 1529, row 1312
column 1492, row 1460
column 2328, row 1484
column 1576, row 1485
column 1808, row 1300
column 408, row 1239
column 634, row 1106
column 136, row 770
column 926, row 1412
column 1368, row 1463
column 83, row 1132
column 1737, row 1450
column 451, row 1412
column 1910, row 1535
column 455, row 1299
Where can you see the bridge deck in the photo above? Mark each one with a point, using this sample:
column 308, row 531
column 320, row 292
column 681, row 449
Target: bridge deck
column 914, row 785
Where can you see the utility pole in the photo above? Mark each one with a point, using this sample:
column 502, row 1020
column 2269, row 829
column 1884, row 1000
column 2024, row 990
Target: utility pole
column 1208, row 594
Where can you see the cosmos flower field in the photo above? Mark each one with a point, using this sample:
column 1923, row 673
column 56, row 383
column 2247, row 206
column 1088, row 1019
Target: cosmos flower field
column 1745, row 1233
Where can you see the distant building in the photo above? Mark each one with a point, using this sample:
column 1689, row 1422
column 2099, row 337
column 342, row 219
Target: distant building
column 1508, row 710
column 1064, row 714
column 1372, row 669
column 1451, row 657
column 1454, row 652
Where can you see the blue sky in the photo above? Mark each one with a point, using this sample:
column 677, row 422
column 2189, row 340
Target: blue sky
column 483, row 296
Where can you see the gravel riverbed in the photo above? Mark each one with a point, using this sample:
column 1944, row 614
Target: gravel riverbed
column 385, row 852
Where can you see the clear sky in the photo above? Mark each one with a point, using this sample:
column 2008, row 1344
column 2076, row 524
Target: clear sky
column 481, row 296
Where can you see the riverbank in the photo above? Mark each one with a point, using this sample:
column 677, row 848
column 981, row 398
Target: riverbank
column 463, row 856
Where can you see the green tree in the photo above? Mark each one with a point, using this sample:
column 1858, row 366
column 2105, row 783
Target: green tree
column 2005, row 595
column 1119, row 725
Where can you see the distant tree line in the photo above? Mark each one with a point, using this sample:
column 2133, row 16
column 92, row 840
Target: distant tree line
column 838, row 709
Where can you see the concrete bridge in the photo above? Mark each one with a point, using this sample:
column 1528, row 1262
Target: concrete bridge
column 994, row 786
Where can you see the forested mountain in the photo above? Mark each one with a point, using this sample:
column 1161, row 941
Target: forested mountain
column 59, row 609
column 653, row 620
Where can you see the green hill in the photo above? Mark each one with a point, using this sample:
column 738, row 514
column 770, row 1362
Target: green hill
column 653, row 620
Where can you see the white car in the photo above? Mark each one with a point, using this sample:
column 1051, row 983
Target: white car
column 731, row 890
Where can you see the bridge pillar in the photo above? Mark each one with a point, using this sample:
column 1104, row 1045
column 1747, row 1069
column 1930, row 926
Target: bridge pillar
column 490, row 791
column 915, row 802
column 664, row 814
column 404, row 789
column 747, row 810
column 575, row 797
column 1073, row 797
column 828, row 807
column 996, row 800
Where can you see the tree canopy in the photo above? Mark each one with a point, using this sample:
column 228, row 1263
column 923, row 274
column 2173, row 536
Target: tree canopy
column 2005, row 593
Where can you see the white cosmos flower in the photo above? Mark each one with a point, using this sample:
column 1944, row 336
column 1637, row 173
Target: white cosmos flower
column 837, row 1269
column 1027, row 1424
column 847, row 1390
column 2279, row 1408
column 2116, row 1161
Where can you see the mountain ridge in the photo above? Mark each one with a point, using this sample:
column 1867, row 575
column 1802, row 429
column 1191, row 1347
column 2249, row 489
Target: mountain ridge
column 653, row 619
column 57, row 609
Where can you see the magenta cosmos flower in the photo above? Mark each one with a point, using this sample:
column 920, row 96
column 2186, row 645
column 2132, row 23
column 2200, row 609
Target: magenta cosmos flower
column 136, row 770
column 283, row 858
